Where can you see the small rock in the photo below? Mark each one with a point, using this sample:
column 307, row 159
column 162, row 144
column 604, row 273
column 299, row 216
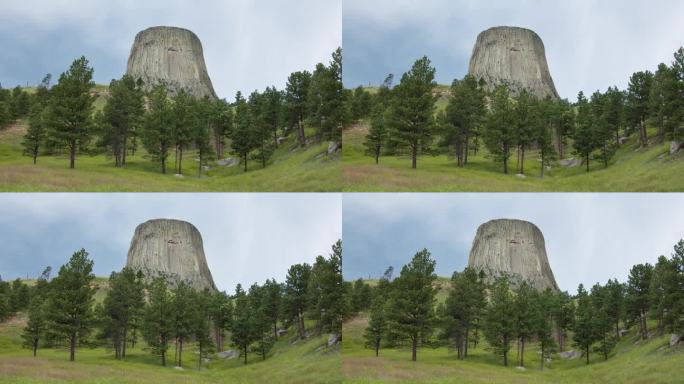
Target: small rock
column 570, row 163
column 333, row 147
column 206, row 168
column 571, row 354
column 281, row 140
column 229, row 162
column 282, row 332
column 622, row 140
column 230, row 354
column 179, row 368
column 333, row 339
column 623, row 332
column 178, row 175
column 519, row 368
column 675, row 339
column 675, row 146
column 520, row 176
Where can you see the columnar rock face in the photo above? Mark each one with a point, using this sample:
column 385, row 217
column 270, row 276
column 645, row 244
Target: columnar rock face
column 173, row 57
column 514, row 56
column 172, row 248
column 514, row 248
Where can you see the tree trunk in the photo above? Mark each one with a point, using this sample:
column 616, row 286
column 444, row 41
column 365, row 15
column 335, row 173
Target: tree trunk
column 522, row 160
column 465, row 344
column 505, row 159
column 123, row 347
column 180, row 353
column 180, row 161
column 587, row 158
column 275, row 331
column 542, row 164
column 123, row 157
column 414, row 155
column 245, row 157
column 35, row 347
column 542, row 356
column 72, row 154
column 522, row 352
column 199, row 169
column 245, row 350
column 617, row 329
column 414, row 347
column 587, row 350
column 467, row 147
column 163, row 166
column 72, row 347
column 505, row 354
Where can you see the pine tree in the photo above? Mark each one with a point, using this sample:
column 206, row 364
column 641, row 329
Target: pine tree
column 411, row 308
column 524, row 115
column 524, row 317
column 122, row 308
column 157, row 126
column 638, row 284
column 296, row 93
column 378, row 134
column 638, row 92
column 36, row 326
column 614, row 303
column 185, row 123
column 242, row 138
column 377, row 325
column 584, row 142
column 71, row 298
column 183, row 305
column 601, row 323
column 242, row 333
column 542, row 323
column 584, row 335
column 563, row 312
column 464, row 114
column 71, row 106
column 413, row 107
column 158, row 318
column 272, row 302
column 463, row 308
column 221, row 315
column 499, row 126
column 326, row 99
column 201, row 324
column 122, row 115
column 499, row 321
column 295, row 298
column 326, row 291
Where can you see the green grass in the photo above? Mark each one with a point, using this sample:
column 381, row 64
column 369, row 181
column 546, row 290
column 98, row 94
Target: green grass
column 631, row 169
column 631, row 362
column 288, row 362
column 308, row 169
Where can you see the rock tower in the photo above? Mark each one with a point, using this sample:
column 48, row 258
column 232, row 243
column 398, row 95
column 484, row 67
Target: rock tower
column 173, row 57
column 515, row 248
column 172, row 248
column 514, row 56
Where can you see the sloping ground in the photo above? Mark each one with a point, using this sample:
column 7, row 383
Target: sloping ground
column 631, row 169
column 300, row 362
column 631, row 362
column 308, row 169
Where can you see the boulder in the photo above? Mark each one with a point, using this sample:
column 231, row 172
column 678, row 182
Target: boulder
column 281, row 139
column 569, row 355
column 281, row 332
column 228, row 355
column 513, row 56
column 333, row 147
column 514, row 248
column 622, row 140
column 675, row 339
column 172, row 57
column 675, row 146
column 171, row 248
column 229, row 162
column 570, row 163
column 333, row 339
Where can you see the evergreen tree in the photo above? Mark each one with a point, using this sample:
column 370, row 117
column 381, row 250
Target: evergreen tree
column 271, row 111
column 464, row 113
column 614, row 305
column 499, row 320
column 158, row 318
column 584, row 333
column 221, row 315
column 183, row 309
column 378, row 133
column 542, row 323
column 259, row 321
column 36, row 326
column 601, row 323
column 260, row 127
column 638, row 284
column 411, row 308
column 158, row 123
column 326, row 99
column 122, row 307
column 638, row 92
column 37, row 130
column 499, row 127
column 542, row 131
column 71, row 105
column 242, row 139
column 665, row 101
column 584, row 142
column 272, row 301
column 524, row 115
column 614, row 110
column 463, row 308
column 413, row 107
column 71, row 298
column 185, row 122
column 122, row 115
column 524, row 317
column 563, row 312
column 377, row 325
column 326, row 291
column 295, row 298
column 201, row 324
column 361, row 103
column 221, row 123
column 296, row 92
column 242, row 333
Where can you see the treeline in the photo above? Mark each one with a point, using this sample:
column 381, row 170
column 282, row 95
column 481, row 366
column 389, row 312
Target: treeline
column 62, row 311
column 404, row 312
column 62, row 118
column 404, row 118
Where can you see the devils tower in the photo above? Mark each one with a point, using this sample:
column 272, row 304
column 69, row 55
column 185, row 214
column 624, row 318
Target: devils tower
column 512, row 56
column 173, row 57
column 172, row 248
column 514, row 248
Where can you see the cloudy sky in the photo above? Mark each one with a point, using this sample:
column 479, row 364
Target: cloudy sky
column 590, row 44
column 589, row 237
column 247, row 237
column 248, row 44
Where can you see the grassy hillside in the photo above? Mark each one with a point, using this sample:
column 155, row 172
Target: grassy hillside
column 308, row 169
column 631, row 362
column 631, row 169
column 288, row 362
column 289, row 169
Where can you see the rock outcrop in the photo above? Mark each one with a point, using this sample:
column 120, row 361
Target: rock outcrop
column 173, row 57
column 514, row 56
column 514, row 248
column 172, row 248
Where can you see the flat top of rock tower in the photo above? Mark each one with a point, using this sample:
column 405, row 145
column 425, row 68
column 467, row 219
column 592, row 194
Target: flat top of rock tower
column 165, row 28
